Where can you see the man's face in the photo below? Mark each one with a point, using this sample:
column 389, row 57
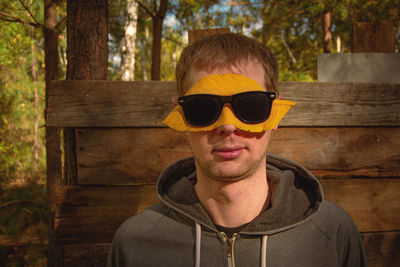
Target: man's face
column 227, row 153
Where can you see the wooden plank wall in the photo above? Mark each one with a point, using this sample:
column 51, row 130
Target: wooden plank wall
column 373, row 37
column 346, row 134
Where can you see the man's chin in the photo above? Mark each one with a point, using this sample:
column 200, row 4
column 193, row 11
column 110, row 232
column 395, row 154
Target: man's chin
column 230, row 179
column 229, row 175
column 229, row 170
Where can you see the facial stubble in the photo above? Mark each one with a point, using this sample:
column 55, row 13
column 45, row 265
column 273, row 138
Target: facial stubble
column 214, row 169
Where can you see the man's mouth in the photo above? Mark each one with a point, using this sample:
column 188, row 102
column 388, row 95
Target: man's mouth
column 229, row 152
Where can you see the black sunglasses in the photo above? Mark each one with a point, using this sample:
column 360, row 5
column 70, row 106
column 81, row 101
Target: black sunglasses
column 249, row 107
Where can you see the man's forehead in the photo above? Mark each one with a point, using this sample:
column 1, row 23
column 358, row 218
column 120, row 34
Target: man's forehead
column 251, row 69
column 224, row 84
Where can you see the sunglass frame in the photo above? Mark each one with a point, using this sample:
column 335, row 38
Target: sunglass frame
column 223, row 100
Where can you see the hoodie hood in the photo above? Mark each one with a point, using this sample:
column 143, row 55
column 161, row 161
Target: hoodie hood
column 298, row 228
column 296, row 196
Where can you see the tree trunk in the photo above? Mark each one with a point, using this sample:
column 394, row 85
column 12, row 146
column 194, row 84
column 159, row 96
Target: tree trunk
column 397, row 40
column 144, row 54
column 327, row 25
column 35, row 102
column 87, row 56
column 158, row 20
column 287, row 47
column 128, row 49
column 53, row 138
column 87, row 43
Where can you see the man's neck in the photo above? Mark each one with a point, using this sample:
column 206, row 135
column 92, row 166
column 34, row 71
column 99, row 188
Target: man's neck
column 232, row 204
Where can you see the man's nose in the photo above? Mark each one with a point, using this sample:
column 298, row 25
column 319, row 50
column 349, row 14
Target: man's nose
column 226, row 129
column 226, row 118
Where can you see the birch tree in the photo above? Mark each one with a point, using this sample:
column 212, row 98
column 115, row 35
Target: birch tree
column 129, row 42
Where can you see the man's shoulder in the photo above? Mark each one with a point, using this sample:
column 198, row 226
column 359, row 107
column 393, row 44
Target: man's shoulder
column 142, row 222
column 329, row 209
column 331, row 215
column 338, row 227
column 140, row 236
column 333, row 221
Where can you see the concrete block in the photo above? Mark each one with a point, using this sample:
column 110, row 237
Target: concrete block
column 359, row 68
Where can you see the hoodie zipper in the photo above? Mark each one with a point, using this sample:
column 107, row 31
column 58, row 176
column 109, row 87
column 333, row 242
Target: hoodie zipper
column 230, row 242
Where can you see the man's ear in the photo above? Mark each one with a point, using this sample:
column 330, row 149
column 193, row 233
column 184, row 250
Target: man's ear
column 175, row 101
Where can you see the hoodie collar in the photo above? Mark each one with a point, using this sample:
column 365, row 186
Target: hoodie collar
column 295, row 196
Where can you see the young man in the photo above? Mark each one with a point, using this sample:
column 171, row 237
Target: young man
column 232, row 204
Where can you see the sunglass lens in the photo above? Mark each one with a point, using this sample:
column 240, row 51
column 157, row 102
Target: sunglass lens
column 252, row 107
column 202, row 110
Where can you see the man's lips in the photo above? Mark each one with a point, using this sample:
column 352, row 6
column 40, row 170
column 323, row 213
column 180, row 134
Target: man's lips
column 229, row 152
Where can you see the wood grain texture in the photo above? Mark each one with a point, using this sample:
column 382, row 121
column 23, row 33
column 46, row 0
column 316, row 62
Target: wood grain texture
column 119, row 156
column 93, row 255
column 54, row 180
column 373, row 37
column 92, row 214
column 381, row 249
column 372, row 152
column 106, row 103
column 146, row 104
column 374, row 204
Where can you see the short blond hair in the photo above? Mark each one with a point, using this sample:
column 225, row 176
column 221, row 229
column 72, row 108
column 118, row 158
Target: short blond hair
column 224, row 50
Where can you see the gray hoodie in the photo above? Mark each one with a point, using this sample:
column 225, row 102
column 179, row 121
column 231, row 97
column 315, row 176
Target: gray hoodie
column 299, row 228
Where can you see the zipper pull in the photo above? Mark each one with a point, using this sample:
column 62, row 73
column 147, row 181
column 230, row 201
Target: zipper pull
column 229, row 248
column 230, row 242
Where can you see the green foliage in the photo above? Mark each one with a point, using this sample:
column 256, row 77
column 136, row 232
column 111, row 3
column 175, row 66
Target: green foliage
column 13, row 43
column 22, row 177
column 18, row 116
column 19, row 108
column 22, row 98
column 23, row 216
column 27, row 208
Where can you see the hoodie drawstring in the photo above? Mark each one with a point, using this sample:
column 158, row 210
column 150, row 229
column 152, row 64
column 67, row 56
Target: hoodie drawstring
column 198, row 244
column 264, row 251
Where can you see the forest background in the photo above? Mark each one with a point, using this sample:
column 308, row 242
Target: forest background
column 296, row 31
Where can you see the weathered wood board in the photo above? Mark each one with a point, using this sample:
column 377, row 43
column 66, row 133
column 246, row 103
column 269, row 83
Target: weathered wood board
column 128, row 155
column 106, row 103
column 370, row 37
column 146, row 104
column 374, row 204
column 382, row 249
column 93, row 255
column 93, row 213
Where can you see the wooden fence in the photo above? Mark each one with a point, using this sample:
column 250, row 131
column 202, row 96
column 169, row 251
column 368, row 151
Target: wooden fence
column 348, row 135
